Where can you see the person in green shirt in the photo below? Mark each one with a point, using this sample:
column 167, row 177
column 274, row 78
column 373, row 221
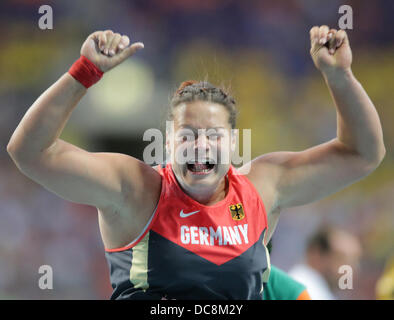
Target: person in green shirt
column 281, row 286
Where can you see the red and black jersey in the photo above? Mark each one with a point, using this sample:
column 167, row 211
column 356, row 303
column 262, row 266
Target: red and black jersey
column 192, row 251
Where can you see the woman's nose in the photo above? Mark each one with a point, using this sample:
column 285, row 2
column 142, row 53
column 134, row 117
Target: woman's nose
column 202, row 142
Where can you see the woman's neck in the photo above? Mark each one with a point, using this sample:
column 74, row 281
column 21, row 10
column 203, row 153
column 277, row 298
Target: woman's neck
column 209, row 196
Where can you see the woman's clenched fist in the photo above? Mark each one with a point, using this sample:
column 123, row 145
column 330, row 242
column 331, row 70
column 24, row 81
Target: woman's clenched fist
column 107, row 49
column 330, row 49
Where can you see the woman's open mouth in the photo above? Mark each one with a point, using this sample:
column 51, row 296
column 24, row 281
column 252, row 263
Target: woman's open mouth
column 200, row 168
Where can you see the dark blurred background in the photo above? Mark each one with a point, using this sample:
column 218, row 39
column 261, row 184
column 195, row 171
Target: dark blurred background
column 258, row 48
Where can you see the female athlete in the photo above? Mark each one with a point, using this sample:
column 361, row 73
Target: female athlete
column 194, row 229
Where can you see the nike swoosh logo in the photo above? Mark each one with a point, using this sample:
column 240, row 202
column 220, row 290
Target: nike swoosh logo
column 185, row 215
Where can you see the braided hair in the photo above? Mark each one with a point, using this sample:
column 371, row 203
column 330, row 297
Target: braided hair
column 192, row 90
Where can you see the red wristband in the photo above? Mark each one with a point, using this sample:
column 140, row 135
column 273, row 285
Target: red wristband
column 85, row 71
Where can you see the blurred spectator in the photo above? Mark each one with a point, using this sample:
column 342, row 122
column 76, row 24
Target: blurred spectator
column 281, row 286
column 327, row 250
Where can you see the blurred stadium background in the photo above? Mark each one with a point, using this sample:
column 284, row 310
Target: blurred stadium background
column 259, row 48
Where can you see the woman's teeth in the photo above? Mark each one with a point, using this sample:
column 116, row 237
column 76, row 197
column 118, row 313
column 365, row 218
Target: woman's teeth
column 200, row 167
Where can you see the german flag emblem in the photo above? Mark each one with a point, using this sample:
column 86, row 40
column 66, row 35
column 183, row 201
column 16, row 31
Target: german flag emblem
column 237, row 211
